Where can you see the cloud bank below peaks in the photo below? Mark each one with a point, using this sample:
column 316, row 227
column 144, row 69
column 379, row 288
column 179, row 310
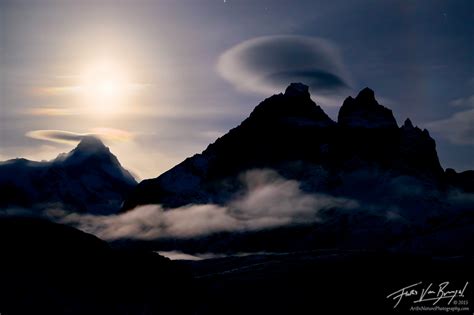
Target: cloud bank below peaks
column 268, row 201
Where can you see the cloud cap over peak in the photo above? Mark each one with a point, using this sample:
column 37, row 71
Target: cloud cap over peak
column 268, row 64
column 62, row 136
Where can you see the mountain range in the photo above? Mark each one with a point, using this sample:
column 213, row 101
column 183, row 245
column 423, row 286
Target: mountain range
column 364, row 155
column 391, row 172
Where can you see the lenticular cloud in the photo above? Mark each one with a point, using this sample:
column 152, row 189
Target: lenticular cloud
column 268, row 64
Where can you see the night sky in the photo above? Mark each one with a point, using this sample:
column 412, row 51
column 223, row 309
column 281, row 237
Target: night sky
column 159, row 80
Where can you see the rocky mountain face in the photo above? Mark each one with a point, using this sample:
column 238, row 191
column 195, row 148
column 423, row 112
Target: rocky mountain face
column 87, row 179
column 292, row 135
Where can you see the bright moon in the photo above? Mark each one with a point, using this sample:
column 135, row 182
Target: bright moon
column 105, row 87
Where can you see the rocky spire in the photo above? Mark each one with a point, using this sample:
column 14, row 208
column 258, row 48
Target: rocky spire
column 297, row 89
column 295, row 105
column 365, row 112
column 91, row 144
column 408, row 124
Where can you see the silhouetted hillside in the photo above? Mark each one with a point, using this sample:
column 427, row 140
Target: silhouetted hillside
column 48, row 268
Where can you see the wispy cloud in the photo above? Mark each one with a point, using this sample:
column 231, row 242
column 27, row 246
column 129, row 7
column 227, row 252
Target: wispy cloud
column 56, row 90
column 62, row 136
column 59, row 136
column 459, row 128
column 463, row 102
column 74, row 89
column 52, row 111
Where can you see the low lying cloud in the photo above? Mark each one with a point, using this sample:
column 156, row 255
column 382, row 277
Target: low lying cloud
column 268, row 201
column 268, row 64
column 61, row 136
column 177, row 255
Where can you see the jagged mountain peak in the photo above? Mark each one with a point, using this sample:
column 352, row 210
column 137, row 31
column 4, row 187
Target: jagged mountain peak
column 367, row 97
column 91, row 144
column 89, row 148
column 294, row 105
column 365, row 112
column 409, row 127
column 297, row 89
column 93, row 152
column 408, row 124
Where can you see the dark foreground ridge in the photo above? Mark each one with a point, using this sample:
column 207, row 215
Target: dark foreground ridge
column 48, row 268
column 53, row 269
column 323, row 282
